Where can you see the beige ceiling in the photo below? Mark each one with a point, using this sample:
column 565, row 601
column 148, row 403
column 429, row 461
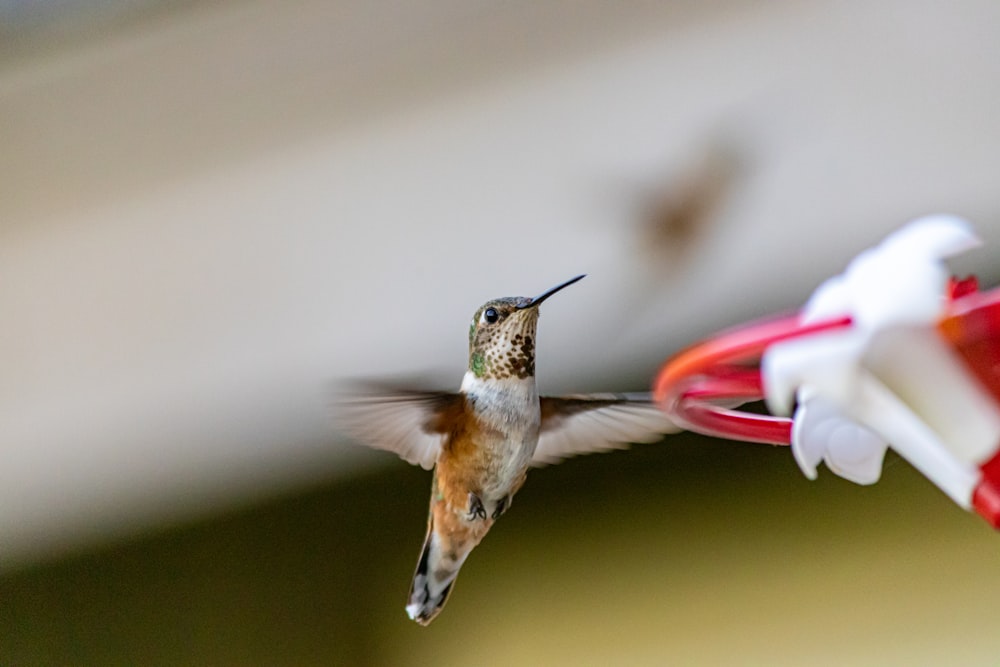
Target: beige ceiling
column 210, row 213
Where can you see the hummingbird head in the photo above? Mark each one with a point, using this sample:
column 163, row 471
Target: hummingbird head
column 502, row 336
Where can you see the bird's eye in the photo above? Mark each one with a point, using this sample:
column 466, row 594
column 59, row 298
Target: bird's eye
column 491, row 315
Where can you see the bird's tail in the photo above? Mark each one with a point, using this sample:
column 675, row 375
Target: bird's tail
column 437, row 568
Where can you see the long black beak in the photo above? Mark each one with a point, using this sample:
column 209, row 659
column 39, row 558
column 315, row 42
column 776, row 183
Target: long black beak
column 531, row 303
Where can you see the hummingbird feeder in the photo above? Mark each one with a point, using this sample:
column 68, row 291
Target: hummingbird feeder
column 894, row 352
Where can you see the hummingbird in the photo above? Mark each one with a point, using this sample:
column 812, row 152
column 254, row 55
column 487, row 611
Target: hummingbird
column 481, row 440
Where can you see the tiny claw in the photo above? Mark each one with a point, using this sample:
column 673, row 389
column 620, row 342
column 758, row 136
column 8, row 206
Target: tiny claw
column 501, row 507
column 476, row 509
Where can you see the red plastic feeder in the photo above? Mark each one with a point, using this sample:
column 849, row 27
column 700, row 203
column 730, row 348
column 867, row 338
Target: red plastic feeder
column 697, row 386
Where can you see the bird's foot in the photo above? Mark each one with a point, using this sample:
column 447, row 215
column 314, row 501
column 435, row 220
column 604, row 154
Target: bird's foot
column 501, row 507
column 476, row 509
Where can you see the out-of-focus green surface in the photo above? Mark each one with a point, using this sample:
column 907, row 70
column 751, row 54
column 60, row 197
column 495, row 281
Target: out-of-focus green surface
column 688, row 552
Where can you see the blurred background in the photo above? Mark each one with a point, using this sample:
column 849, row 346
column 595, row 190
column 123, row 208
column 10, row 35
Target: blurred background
column 213, row 213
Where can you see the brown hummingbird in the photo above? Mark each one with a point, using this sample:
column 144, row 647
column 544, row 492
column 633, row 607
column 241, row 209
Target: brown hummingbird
column 481, row 440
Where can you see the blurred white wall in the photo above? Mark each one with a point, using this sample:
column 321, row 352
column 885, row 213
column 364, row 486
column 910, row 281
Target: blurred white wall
column 209, row 214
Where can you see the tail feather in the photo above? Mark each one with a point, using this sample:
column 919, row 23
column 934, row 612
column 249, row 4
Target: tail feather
column 432, row 582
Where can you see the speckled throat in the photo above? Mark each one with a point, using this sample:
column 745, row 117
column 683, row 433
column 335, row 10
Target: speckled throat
column 506, row 350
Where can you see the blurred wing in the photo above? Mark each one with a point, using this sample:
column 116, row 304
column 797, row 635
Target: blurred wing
column 409, row 423
column 589, row 423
